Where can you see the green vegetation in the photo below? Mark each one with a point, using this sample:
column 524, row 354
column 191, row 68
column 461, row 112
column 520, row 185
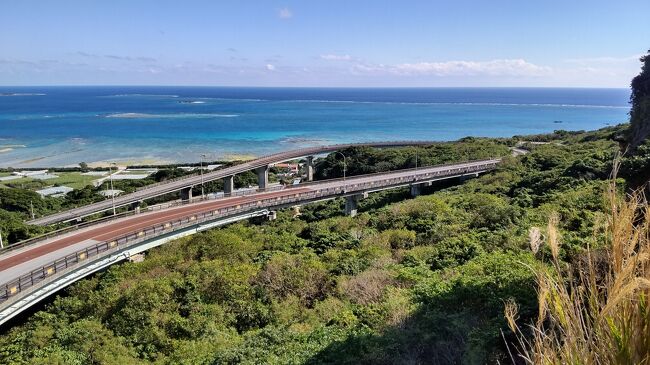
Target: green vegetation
column 595, row 312
column 72, row 179
column 18, row 200
column 640, row 99
column 422, row 280
column 366, row 160
column 636, row 163
column 593, row 308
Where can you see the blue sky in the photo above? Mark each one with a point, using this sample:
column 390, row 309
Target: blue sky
column 323, row 43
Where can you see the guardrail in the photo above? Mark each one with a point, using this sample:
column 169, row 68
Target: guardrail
column 175, row 203
column 151, row 191
column 16, row 286
column 150, row 208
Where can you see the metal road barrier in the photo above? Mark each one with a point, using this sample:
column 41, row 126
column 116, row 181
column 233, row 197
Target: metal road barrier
column 150, row 208
column 173, row 185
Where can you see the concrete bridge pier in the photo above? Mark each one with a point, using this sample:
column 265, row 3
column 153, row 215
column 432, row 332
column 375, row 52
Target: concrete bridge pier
column 186, row 194
column 352, row 203
column 416, row 189
column 228, row 185
column 136, row 206
column 262, row 177
column 310, row 168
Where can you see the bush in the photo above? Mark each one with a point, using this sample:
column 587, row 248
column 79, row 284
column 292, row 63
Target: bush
column 303, row 276
column 368, row 286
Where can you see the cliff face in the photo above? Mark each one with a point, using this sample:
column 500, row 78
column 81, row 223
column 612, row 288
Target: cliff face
column 640, row 99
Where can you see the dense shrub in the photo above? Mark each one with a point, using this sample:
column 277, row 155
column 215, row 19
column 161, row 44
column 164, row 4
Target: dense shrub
column 421, row 280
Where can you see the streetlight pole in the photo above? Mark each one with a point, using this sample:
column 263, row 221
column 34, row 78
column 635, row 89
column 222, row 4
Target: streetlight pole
column 110, row 176
column 202, row 188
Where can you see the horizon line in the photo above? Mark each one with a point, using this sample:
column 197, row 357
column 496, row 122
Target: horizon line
column 323, row 87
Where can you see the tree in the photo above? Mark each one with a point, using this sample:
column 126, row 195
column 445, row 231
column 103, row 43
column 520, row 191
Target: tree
column 640, row 99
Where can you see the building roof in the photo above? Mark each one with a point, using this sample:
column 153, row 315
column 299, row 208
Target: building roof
column 55, row 190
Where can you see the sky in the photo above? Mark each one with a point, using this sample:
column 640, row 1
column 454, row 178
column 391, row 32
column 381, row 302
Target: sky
column 328, row 43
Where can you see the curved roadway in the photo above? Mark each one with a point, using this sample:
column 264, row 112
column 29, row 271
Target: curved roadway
column 33, row 257
column 30, row 273
column 182, row 183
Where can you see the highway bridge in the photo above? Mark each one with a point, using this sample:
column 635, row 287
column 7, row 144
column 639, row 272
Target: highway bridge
column 31, row 272
column 185, row 184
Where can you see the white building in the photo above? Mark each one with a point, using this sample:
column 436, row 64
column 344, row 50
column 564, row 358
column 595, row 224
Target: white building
column 55, row 191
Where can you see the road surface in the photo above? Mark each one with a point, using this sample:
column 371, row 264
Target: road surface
column 195, row 180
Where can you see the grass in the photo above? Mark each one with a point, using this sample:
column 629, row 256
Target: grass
column 72, row 179
column 596, row 311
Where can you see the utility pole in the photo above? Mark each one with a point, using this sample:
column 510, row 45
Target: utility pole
column 31, row 206
column 1, row 243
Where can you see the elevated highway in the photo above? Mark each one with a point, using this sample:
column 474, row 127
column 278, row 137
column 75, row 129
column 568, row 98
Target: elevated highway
column 185, row 184
column 32, row 272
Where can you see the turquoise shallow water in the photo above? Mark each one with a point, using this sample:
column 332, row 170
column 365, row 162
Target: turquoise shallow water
column 59, row 126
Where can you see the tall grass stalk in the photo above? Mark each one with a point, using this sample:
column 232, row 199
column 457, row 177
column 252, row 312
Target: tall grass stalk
column 596, row 311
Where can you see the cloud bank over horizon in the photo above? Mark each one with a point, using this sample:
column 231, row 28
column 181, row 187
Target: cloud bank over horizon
column 324, row 70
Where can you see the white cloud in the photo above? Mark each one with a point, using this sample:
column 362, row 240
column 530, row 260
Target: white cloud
column 270, row 67
column 285, row 13
column 605, row 59
column 499, row 67
column 335, row 57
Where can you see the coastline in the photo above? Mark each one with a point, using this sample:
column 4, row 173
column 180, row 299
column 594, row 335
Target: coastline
column 140, row 125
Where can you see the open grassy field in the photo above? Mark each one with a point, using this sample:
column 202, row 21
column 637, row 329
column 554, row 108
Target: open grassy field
column 72, row 179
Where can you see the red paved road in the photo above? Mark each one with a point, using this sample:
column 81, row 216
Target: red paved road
column 133, row 224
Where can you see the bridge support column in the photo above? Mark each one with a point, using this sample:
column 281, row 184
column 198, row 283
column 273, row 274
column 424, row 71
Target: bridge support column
column 352, row 204
column 186, row 194
column 136, row 206
column 262, row 177
column 310, row 168
column 228, row 185
column 416, row 190
column 273, row 215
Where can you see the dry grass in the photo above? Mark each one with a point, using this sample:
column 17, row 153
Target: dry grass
column 598, row 311
column 368, row 286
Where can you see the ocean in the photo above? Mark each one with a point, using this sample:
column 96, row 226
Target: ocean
column 62, row 126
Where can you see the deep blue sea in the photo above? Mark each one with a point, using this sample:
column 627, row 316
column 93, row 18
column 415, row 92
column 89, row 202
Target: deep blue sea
column 60, row 126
